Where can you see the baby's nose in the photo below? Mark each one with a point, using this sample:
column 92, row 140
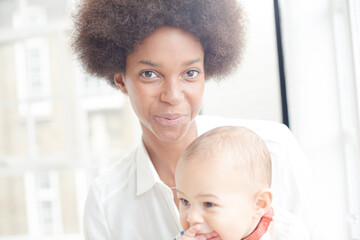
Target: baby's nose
column 194, row 217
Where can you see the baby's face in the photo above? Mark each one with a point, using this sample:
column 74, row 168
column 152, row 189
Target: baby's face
column 215, row 194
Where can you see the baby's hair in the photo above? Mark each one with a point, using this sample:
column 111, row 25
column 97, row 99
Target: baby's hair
column 245, row 147
column 107, row 31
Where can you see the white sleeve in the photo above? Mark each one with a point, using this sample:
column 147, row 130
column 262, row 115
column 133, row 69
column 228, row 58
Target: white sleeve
column 179, row 235
column 95, row 224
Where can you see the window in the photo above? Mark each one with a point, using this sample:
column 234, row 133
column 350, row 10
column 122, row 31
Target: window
column 322, row 67
column 32, row 63
column 32, row 76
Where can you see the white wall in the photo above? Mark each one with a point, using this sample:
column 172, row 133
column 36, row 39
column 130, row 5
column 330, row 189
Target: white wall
column 319, row 73
column 253, row 91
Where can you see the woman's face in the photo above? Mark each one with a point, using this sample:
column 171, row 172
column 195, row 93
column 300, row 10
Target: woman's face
column 165, row 80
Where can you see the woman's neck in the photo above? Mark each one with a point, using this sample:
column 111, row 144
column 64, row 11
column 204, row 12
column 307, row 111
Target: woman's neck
column 165, row 155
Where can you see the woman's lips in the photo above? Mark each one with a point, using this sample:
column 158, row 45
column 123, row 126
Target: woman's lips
column 169, row 119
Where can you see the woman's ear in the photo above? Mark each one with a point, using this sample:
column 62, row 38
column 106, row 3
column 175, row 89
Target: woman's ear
column 119, row 82
column 263, row 201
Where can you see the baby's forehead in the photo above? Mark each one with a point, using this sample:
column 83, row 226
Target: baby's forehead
column 214, row 161
column 214, row 172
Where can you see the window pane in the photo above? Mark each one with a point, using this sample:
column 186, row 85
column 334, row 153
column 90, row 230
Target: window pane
column 69, row 199
column 13, row 215
column 7, row 7
column 40, row 203
column 14, row 136
column 53, row 10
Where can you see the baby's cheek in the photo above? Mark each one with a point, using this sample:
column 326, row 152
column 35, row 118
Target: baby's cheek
column 221, row 226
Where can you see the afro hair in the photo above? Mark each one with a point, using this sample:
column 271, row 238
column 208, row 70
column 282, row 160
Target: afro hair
column 106, row 31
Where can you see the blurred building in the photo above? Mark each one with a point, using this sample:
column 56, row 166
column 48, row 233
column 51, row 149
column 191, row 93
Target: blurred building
column 58, row 126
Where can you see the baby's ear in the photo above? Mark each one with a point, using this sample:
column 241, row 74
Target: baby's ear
column 263, row 201
column 119, row 82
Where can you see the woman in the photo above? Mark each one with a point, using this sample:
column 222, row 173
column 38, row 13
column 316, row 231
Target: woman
column 159, row 53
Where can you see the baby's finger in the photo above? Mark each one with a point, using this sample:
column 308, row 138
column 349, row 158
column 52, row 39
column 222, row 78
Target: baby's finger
column 201, row 237
column 191, row 232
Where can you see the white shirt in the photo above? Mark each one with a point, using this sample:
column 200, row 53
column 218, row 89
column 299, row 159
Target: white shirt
column 130, row 201
column 285, row 226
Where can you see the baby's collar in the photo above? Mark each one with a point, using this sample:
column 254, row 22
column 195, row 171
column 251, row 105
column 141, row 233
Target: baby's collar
column 262, row 227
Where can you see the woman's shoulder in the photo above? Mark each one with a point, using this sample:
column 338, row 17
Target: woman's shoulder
column 116, row 176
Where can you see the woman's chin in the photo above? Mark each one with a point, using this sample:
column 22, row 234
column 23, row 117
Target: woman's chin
column 170, row 136
column 171, row 133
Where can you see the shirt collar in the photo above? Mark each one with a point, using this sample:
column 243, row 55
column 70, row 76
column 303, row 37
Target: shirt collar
column 146, row 175
column 262, row 227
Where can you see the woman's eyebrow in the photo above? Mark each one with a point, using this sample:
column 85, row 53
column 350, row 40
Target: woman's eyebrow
column 191, row 62
column 150, row 63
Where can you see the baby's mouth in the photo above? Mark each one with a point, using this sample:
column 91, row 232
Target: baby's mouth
column 214, row 238
column 210, row 236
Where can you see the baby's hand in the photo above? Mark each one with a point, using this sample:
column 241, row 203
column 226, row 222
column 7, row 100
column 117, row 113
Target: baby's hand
column 190, row 234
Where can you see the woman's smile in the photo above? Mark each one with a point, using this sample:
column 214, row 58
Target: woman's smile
column 170, row 120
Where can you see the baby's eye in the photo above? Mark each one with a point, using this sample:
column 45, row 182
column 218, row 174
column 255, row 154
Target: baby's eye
column 148, row 74
column 208, row 204
column 184, row 202
column 193, row 73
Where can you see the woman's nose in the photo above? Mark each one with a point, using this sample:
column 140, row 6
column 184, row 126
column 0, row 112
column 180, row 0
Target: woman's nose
column 172, row 92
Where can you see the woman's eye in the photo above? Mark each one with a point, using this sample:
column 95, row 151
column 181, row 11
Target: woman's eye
column 208, row 204
column 148, row 74
column 192, row 73
column 184, row 202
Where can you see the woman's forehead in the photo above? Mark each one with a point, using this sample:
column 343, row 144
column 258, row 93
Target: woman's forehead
column 168, row 39
column 167, row 47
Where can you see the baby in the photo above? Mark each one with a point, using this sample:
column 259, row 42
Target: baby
column 223, row 184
